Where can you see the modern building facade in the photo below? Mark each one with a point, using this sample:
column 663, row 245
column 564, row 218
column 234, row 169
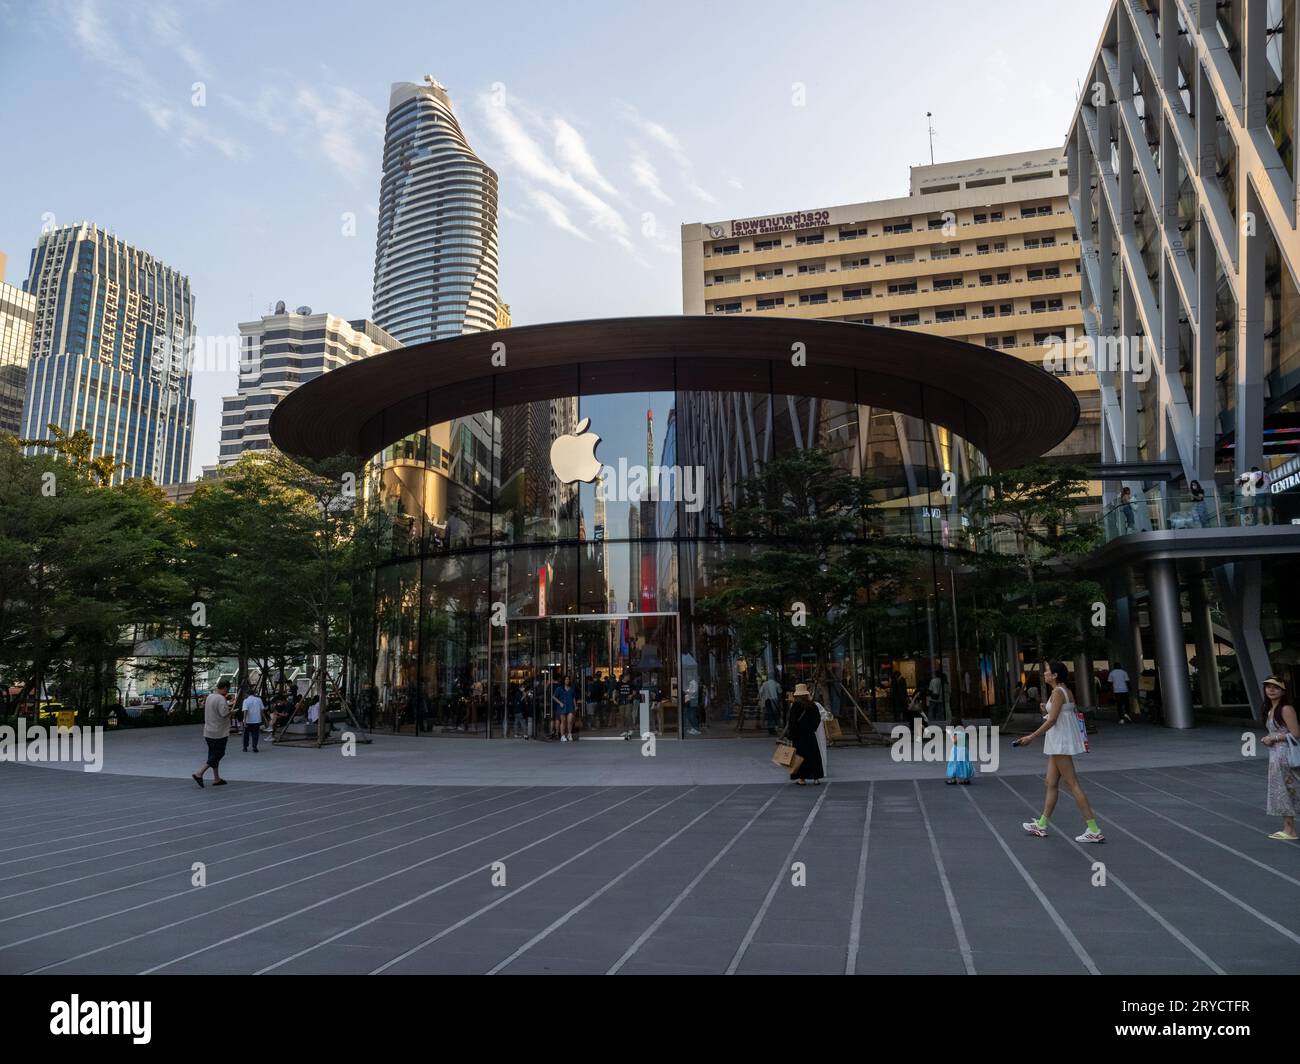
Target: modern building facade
column 436, row 249
column 112, row 349
column 279, row 352
column 475, row 615
column 17, row 321
column 980, row 250
column 1183, row 191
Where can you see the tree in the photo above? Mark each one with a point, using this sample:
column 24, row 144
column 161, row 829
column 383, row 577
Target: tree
column 1031, row 543
column 810, row 558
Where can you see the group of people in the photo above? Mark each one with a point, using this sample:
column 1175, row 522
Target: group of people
column 221, row 714
column 1252, row 486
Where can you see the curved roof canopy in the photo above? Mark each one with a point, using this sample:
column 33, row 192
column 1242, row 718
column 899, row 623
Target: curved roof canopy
column 1009, row 409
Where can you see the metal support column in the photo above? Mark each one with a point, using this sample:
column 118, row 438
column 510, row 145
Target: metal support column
column 1171, row 646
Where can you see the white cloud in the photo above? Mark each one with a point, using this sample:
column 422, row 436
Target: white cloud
column 349, row 126
column 647, row 177
column 539, row 172
column 573, row 153
column 667, row 140
column 555, row 213
column 170, row 113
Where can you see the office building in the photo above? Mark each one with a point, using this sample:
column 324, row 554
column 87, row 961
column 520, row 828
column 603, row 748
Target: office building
column 112, row 349
column 17, row 320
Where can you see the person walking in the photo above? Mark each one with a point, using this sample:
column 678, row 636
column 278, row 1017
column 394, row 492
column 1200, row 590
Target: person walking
column 823, row 715
column 770, row 695
column 1119, row 687
column 898, row 697
column 562, row 701
column 253, row 707
column 1064, row 739
column 1283, row 785
column 802, row 730
column 216, row 733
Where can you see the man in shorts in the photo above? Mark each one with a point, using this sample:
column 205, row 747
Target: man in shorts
column 216, row 733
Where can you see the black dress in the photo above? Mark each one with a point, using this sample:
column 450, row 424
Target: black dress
column 804, row 721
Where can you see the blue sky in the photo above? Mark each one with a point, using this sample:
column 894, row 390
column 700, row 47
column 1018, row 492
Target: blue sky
column 620, row 122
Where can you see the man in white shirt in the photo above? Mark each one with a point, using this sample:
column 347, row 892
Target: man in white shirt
column 770, row 695
column 254, row 707
column 1119, row 682
column 216, row 733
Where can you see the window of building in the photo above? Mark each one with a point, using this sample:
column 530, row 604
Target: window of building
column 1004, row 278
column 943, row 284
column 810, row 238
column 853, row 234
column 905, row 319
column 950, row 315
column 813, row 267
column 767, row 245
column 989, row 311
column 901, row 257
column 903, row 288
column 1005, row 310
column 899, row 227
column 855, row 264
column 770, row 303
column 980, row 219
column 768, row 274
column 726, row 308
column 857, row 293
column 812, row 298
column 1039, row 306
column 1048, row 338
column 935, row 223
column 726, row 249
column 995, row 216
column 986, row 278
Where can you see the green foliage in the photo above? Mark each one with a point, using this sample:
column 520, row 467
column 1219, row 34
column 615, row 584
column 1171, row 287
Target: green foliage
column 1028, row 569
column 804, row 543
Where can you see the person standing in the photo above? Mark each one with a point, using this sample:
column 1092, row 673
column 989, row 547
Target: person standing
column 1064, row 739
column 823, row 715
column 802, row 730
column 1198, row 504
column 1283, row 785
column 253, row 707
column 898, row 697
column 1119, row 687
column 770, row 695
column 562, row 701
column 216, row 733
column 1126, row 510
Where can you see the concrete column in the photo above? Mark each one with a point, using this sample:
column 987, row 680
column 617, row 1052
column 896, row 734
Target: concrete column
column 1126, row 637
column 1203, row 633
column 1171, row 647
column 1084, row 693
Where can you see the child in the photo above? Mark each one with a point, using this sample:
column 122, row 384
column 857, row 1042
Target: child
column 960, row 769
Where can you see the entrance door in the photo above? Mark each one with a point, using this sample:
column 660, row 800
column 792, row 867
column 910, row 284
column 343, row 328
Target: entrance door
column 611, row 660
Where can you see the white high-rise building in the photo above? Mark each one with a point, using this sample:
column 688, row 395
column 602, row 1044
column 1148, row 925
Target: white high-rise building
column 436, row 249
column 279, row 352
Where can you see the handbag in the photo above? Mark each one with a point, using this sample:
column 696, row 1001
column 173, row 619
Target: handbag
column 833, row 729
column 1292, row 750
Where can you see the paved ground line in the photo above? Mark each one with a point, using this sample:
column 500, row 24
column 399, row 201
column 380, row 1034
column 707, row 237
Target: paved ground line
column 461, row 878
column 1202, row 836
column 555, row 925
column 685, row 892
column 1111, row 877
column 1043, row 900
column 537, row 879
column 860, row 889
column 260, row 894
column 121, row 838
column 162, row 857
column 229, row 879
column 1174, row 794
column 1221, row 794
column 967, row 956
column 260, row 849
column 743, row 948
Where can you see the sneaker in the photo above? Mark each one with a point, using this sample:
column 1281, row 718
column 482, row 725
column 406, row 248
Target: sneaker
column 692, row 731
column 1090, row 836
column 1032, row 828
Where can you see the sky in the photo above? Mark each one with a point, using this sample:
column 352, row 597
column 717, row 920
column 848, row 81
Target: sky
column 241, row 142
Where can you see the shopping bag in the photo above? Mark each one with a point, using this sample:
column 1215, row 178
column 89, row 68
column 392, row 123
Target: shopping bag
column 833, row 729
column 784, row 754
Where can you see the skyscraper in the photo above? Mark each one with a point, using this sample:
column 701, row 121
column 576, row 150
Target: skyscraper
column 111, row 347
column 279, row 352
column 436, row 250
column 17, row 317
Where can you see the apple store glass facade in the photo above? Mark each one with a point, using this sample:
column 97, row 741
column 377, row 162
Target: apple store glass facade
column 496, row 579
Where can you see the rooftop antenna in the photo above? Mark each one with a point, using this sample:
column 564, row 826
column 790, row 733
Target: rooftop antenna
column 930, row 127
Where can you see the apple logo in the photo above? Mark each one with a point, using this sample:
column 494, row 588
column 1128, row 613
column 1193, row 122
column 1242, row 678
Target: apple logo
column 573, row 455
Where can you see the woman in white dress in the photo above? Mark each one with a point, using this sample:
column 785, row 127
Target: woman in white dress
column 1064, row 739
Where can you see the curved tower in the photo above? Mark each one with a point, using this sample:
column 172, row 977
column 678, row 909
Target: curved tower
column 436, row 249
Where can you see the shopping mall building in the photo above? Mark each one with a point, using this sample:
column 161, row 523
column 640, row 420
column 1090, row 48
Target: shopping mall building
column 510, row 562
